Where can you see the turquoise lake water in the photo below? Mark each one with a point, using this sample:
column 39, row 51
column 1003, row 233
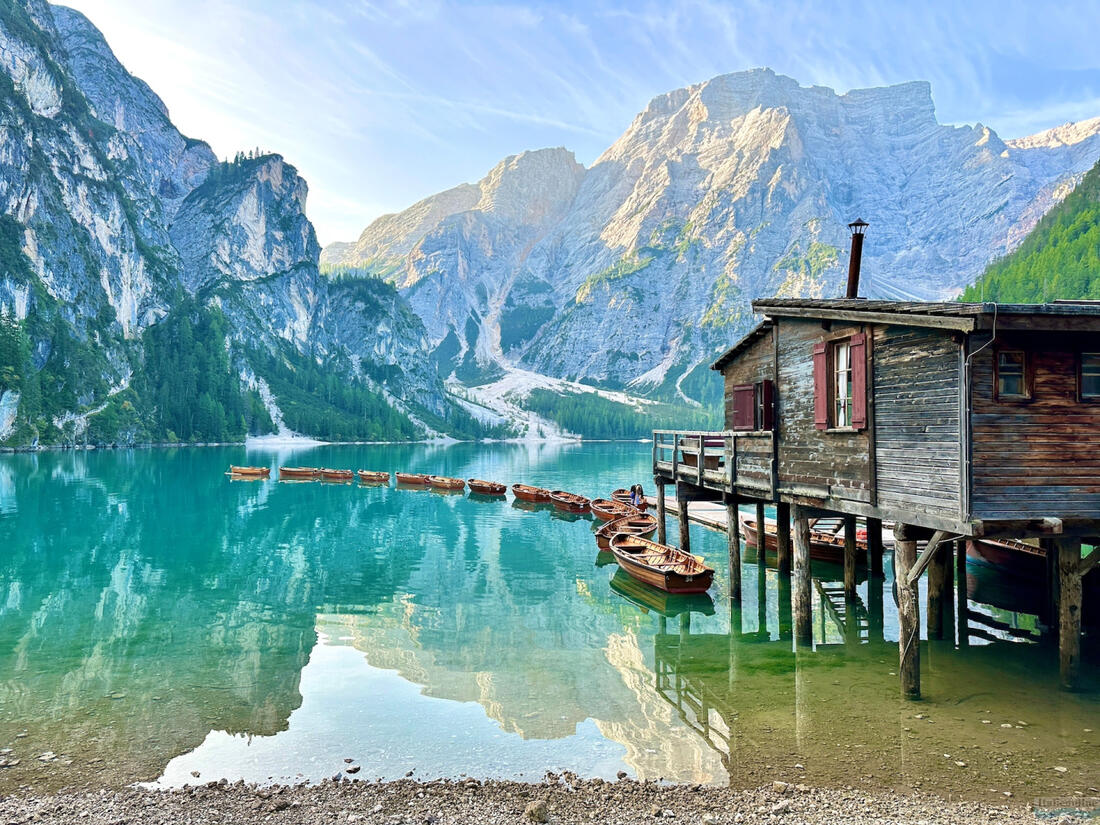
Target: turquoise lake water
column 159, row 621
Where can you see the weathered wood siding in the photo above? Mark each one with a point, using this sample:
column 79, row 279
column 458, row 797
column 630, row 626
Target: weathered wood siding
column 749, row 367
column 916, row 377
column 1039, row 457
column 813, row 462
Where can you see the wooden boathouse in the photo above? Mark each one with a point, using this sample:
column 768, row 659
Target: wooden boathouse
column 949, row 420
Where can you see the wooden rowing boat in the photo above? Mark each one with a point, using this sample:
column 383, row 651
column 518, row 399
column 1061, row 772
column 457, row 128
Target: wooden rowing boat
column 413, row 479
column 299, row 473
column 328, row 474
column 661, row 566
column 640, row 524
column 608, row 510
column 536, row 495
column 824, row 545
column 662, row 603
column 373, row 477
column 445, row 483
column 1015, row 557
column 251, row 472
column 569, row 502
column 486, row 488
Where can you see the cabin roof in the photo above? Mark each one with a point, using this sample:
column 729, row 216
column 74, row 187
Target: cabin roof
column 966, row 317
column 753, row 335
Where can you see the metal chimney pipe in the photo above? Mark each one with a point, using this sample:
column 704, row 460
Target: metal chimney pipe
column 858, row 227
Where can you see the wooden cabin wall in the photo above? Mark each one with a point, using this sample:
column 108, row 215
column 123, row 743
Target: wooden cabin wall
column 1038, row 457
column 916, row 419
column 754, row 364
column 813, row 462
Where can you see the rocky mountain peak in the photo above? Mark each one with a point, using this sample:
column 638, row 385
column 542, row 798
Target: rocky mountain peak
column 532, row 186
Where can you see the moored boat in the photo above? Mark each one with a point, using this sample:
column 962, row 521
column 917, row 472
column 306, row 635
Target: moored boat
column 608, row 510
column 536, row 495
column 413, row 479
column 299, row 473
column 251, row 472
column 329, row 474
column 1015, row 557
column 445, row 483
column 486, row 488
column 373, row 477
column 569, row 502
column 622, row 495
column 824, row 545
column 661, row 566
column 637, row 525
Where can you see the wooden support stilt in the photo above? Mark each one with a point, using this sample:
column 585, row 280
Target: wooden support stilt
column 762, row 601
column 801, row 604
column 874, row 547
column 937, row 572
column 905, row 556
column 783, row 538
column 1069, row 611
column 875, row 624
column 733, row 535
column 962, row 604
column 761, row 555
column 850, row 558
column 948, row 590
column 1050, row 593
column 662, row 533
column 682, row 516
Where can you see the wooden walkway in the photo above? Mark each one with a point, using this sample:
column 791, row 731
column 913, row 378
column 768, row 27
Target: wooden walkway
column 710, row 514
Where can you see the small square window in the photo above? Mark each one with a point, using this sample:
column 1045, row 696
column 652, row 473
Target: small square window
column 1012, row 374
column 1089, row 380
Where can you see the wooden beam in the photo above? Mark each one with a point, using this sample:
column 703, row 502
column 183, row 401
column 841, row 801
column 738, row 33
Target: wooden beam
column 963, row 606
column 662, row 530
column 783, row 538
column 905, row 556
column 925, row 557
column 682, row 514
column 801, row 604
column 761, row 555
column 733, row 535
column 904, row 319
column 850, row 557
column 1069, row 612
column 938, row 589
column 874, row 547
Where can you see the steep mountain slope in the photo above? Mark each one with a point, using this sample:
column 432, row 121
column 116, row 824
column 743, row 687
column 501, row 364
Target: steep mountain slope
column 121, row 239
column 1059, row 259
column 737, row 187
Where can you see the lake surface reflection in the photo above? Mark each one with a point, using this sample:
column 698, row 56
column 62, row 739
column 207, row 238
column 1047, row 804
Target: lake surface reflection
column 159, row 621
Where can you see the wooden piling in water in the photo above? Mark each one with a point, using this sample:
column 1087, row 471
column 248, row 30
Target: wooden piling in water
column 801, row 605
column 905, row 556
column 962, row 605
column 733, row 536
column 849, row 558
column 682, row 515
column 783, row 538
column 662, row 532
column 1069, row 611
column 874, row 547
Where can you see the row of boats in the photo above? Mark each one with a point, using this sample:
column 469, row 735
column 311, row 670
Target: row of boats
column 626, row 532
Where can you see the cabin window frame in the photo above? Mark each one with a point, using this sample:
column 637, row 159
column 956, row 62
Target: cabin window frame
column 838, row 408
column 856, row 418
column 1026, row 376
column 763, row 405
column 1082, row 396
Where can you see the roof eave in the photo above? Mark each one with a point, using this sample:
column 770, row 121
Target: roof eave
column 963, row 324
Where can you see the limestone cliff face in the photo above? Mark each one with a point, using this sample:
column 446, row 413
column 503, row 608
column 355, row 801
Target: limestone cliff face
column 114, row 216
column 730, row 189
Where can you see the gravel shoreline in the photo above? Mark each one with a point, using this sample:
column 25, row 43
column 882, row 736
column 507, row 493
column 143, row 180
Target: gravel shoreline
column 559, row 799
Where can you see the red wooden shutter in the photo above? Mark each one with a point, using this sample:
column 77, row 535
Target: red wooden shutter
column 859, row 381
column 767, row 404
column 821, row 388
column 744, row 403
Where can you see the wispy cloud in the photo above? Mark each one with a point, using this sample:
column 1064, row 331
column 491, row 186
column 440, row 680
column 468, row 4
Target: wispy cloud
column 381, row 102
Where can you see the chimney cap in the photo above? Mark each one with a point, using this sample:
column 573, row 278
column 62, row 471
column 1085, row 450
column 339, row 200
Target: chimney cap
column 858, row 226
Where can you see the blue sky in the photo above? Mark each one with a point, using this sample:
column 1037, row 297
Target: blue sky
column 379, row 104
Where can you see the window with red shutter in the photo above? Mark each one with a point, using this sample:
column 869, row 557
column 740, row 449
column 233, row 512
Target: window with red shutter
column 744, row 407
column 821, row 388
column 767, row 405
column 859, row 381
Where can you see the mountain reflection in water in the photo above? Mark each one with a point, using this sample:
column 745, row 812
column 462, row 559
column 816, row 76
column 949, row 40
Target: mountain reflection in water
column 157, row 620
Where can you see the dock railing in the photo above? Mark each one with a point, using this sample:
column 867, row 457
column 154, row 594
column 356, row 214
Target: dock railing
column 725, row 460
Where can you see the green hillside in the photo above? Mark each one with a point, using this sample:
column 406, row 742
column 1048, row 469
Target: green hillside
column 1059, row 259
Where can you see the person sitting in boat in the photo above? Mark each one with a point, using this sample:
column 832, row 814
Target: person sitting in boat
column 637, row 497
